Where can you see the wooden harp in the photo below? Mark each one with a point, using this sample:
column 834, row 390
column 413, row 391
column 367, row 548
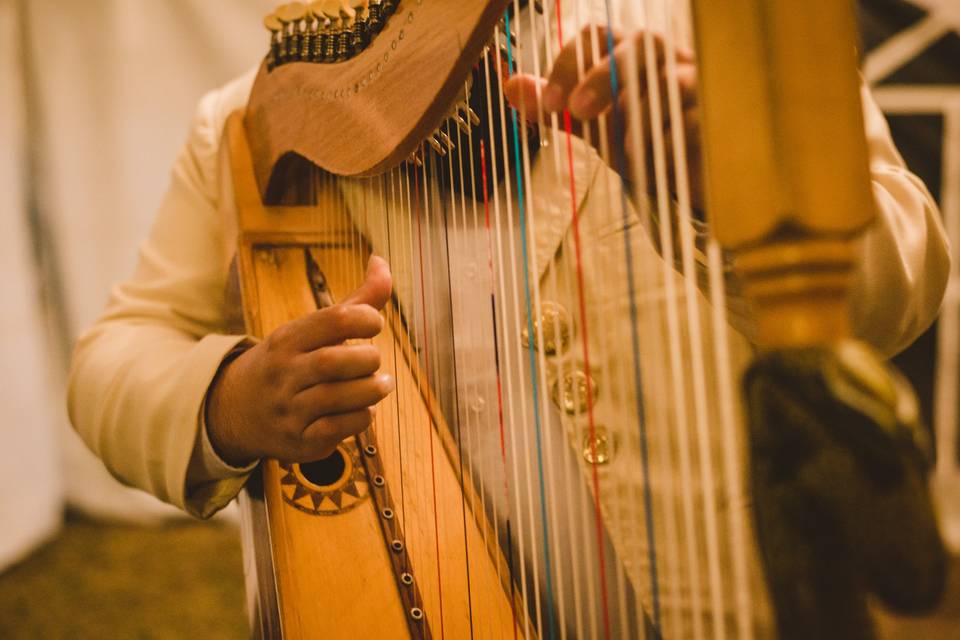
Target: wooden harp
column 565, row 454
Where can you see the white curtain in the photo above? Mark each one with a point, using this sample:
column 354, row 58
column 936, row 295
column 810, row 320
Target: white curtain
column 114, row 84
column 118, row 82
column 30, row 493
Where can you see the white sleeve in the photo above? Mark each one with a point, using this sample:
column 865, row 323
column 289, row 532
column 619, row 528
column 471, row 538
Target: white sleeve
column 906, row 258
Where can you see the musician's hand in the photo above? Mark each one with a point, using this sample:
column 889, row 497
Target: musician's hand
column 591, row 95
column 301, row 391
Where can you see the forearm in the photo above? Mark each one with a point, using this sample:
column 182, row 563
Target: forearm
column 135, row 394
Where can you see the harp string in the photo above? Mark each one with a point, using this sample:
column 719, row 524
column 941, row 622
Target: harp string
column 405, row 398
column 500, row 316
column 689, row 271
column 616, row 118
column 679, row 392
column 500, row 410
column 585, row 332
column 455, row 300
column 595, row 571
column 652, row 326
column 475, row 322
column 549, row 429
column 582, row 507
column 515, row 330
column 731, row 454
column 617, row 383
column 584, row 253
column 421, row 213
column 413, row 434
column 569, row 496
column 488, row 486
column 528, row 302
column 552, row 282
column 458, row 234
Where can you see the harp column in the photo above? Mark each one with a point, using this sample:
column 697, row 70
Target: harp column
column 787, row 172
column 789, row 195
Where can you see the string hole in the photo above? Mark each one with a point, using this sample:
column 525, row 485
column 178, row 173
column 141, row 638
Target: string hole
column 387, row 514
column 416, row 613
column 406, row 578
column 397, row 546
column 378, row 481
column 370, row 450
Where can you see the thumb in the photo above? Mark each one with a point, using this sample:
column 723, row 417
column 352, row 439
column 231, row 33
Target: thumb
column 521, row 93
column 375, row 290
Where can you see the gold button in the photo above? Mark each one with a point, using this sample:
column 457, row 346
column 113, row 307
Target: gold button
column 599, row 449
column 571, row 391
column 554, row 322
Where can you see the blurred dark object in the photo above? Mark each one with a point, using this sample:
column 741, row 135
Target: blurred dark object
column 840, row 463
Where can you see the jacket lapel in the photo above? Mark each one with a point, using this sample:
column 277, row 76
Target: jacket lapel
column 550, row 193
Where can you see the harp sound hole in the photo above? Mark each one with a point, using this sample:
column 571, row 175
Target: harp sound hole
column 326, row 472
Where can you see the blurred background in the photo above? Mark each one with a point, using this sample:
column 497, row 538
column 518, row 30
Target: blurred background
column 95, row 100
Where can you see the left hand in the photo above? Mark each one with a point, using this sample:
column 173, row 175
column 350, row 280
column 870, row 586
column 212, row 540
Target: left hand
column 591, row 95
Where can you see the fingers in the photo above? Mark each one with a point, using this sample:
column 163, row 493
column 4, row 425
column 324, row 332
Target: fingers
column 325, row 327
column 594, row 93
column 321, row 437
column 354, row 318
column 375, row 290
column 342, row 396
column 591, row 94
column 337, row 363
column 565, row 74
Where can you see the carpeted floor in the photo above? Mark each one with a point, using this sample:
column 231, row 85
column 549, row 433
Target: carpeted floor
column 184, row 581
column 100, row 581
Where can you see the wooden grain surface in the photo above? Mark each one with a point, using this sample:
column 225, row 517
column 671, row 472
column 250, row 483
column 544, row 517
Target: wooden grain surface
column 365, row 115
column 333, row 574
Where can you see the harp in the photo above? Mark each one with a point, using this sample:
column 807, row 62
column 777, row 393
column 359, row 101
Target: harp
column 567, row 453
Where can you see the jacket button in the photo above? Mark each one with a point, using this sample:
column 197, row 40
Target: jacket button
column 555, row 323
column 600, row 449
column 570, row 392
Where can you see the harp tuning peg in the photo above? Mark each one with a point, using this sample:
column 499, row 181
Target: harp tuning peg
column 472, row 115
column 272, row 23
column 446, row 140
column 330, row 9
column 292, row 12
column 415, row 160
column 461, row 123
column 361, row 7
column 347, row 11
column 316, row 10
column 435, row 144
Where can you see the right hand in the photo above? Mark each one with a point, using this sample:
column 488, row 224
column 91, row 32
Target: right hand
column 299, row 392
